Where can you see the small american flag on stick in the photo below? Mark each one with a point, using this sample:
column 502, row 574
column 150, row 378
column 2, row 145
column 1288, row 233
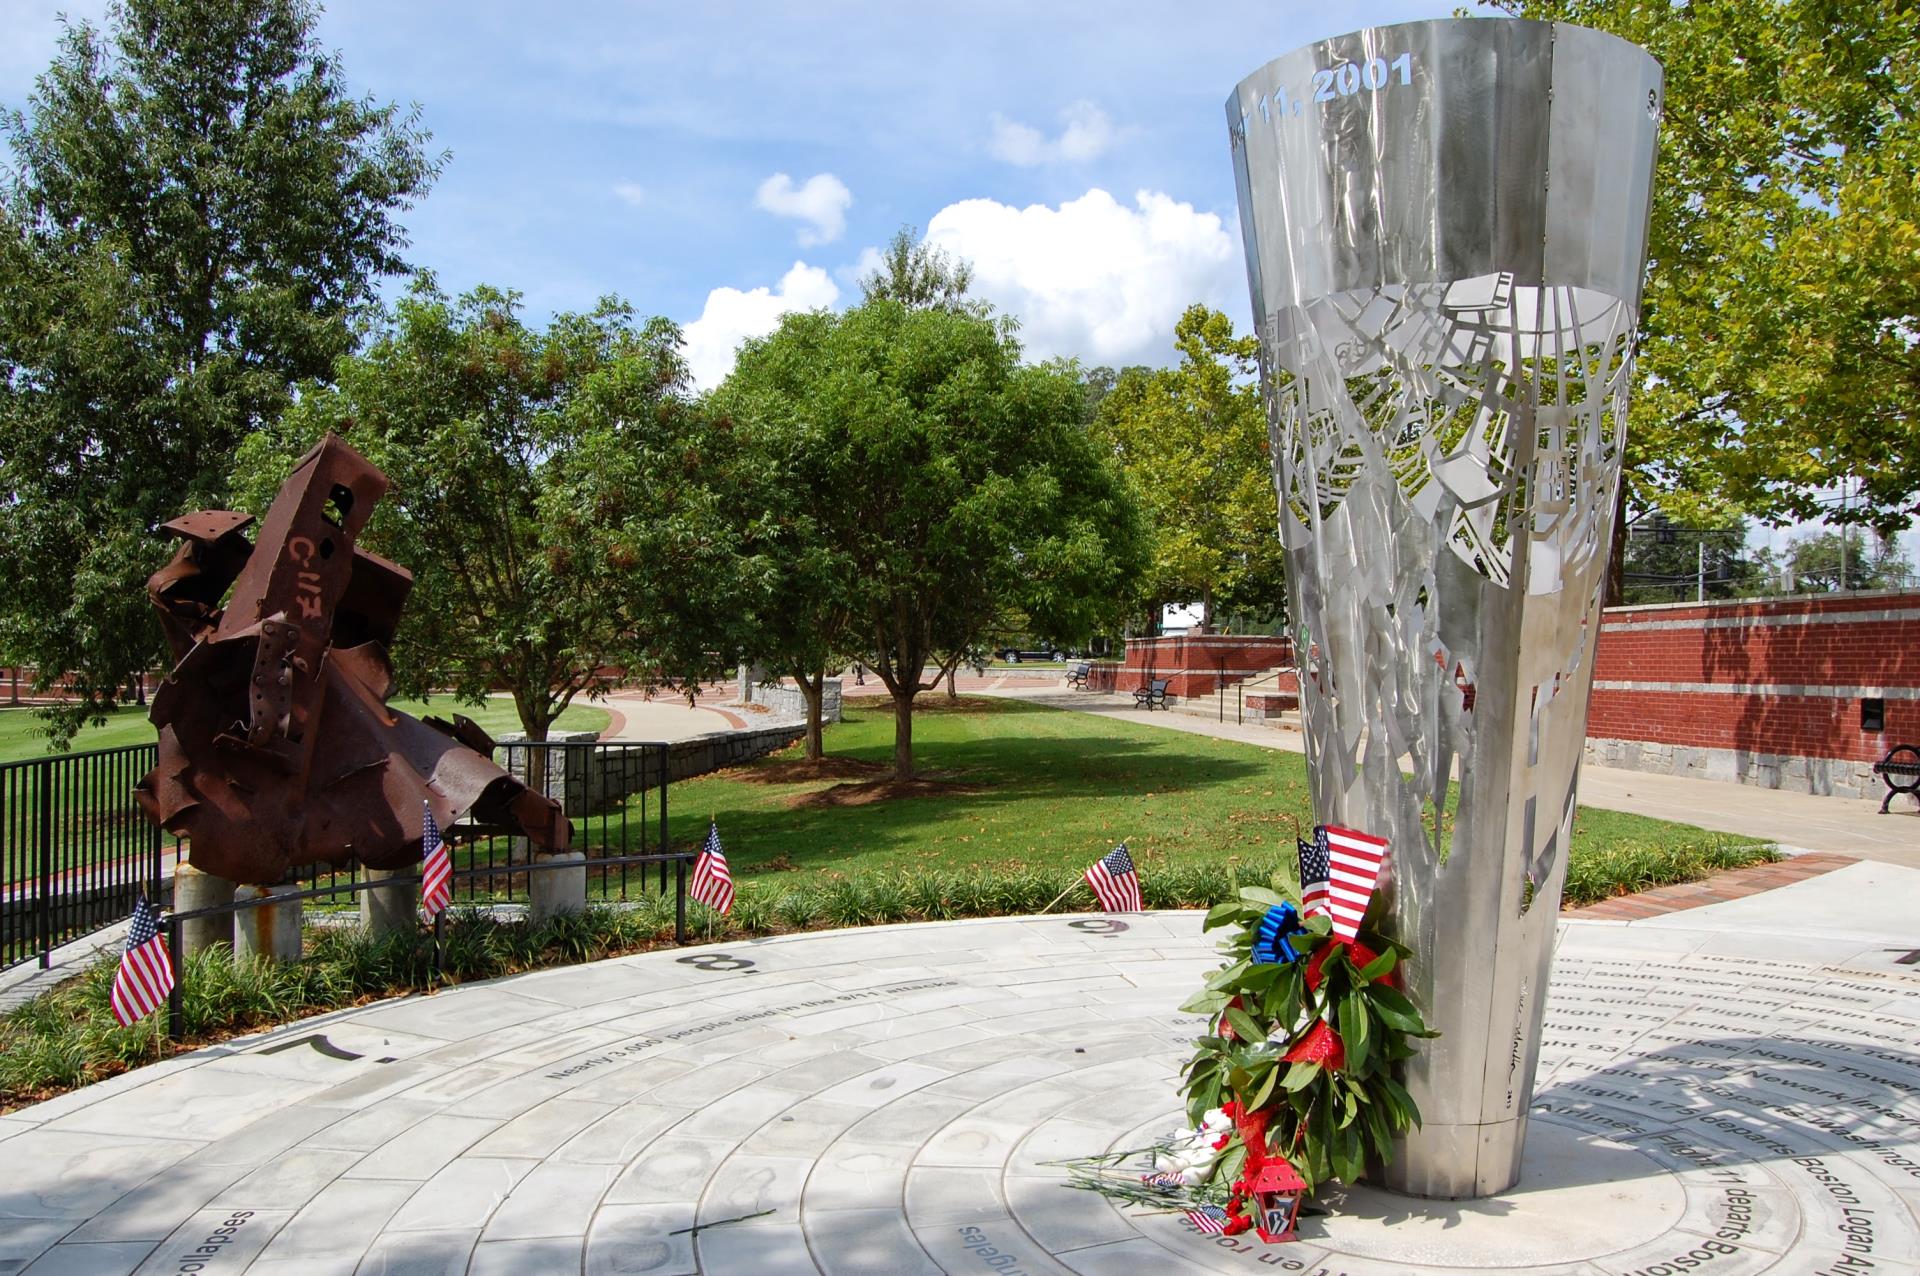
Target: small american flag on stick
column 1210, row 1219
column 145, row 976
column 1355, row 862
column 712, row 884
column 1313, row 873
column 436, row 869
column 1115, row 883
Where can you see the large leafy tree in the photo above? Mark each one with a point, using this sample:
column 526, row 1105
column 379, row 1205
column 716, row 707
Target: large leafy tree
column 550, row 494
column 197, row 212
column 1781, row 352
column 1192, row 440
column 953, row 480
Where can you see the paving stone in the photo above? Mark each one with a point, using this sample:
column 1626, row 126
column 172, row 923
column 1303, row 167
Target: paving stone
column 869, row 1242
column 547, row 1255
column 232, row 1238
column 102, row 1258
column 552, row 1200
column 641, row 1240
column 422, row 1150
column 462, row 1196
column 419, row 1253
column 288, row 1181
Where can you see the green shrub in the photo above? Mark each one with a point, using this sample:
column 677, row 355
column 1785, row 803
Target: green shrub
column 66, row 1037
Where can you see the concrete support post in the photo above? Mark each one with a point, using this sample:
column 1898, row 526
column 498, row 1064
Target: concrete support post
column 272, row 930
column 194, row 889
column 386, row 909
column 557, row 890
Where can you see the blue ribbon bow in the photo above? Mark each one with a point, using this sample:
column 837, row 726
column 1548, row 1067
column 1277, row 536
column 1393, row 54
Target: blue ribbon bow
column 1272, row 942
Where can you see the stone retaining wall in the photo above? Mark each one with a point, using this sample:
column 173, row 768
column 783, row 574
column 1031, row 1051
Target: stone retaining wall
column 785, row 699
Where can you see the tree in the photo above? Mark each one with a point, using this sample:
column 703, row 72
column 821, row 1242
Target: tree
column 802, row 601
column 1823, row 561
column 1193, row 442
column 954, row 479
column 920, row 276
column 197, row 216
column 1665, row 562
column 548, row 494
column 1779, row 354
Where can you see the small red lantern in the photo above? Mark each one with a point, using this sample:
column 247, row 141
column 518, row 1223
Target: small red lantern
column 1277, row 1190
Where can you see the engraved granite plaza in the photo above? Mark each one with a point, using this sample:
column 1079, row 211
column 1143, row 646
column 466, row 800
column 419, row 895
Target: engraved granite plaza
column 1718, row 1094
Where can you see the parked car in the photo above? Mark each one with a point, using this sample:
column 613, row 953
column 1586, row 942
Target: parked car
column 1014, row 655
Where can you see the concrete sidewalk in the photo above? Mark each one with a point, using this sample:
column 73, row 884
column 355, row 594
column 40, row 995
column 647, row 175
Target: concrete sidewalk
column 1797, row 821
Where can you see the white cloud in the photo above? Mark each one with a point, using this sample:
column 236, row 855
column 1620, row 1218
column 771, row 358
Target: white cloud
column 631, row 193
column 1086, row 134
column 1093, row 278
column 821, row 202
column 731, row 316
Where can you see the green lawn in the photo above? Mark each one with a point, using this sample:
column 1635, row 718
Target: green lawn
column 1055, row 789
column 21, row 736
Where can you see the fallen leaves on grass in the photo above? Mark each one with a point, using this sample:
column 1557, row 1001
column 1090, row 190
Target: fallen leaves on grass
column 866, row 793
column 800, row 770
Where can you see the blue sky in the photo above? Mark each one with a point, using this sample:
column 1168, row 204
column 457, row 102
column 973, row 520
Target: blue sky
column 1076, row 152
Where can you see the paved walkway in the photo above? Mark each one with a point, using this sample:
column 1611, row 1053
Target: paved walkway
column 1798, row 821
column 1715, row 1096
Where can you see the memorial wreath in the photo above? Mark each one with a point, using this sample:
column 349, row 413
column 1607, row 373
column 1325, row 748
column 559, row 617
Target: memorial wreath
column 1292, row 1085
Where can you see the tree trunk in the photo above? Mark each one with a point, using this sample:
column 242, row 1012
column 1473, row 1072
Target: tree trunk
column 811, row 687
column 903, row 732
column 953, row 692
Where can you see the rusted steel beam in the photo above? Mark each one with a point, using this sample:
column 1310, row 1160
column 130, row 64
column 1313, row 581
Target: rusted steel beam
column 277, row 746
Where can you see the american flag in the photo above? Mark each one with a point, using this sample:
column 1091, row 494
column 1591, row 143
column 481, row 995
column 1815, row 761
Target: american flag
column 1313, row 873
column 1114, row 881
column 145, row 976
column 1210, row 1219
column 712, row 884
column 1356, row 860
column 1166, row 1179
column 436, row 869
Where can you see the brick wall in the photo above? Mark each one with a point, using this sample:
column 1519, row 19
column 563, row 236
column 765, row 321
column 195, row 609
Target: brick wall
column 1766, row 691
column 1194, row 665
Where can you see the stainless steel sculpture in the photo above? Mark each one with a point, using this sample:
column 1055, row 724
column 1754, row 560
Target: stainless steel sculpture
column 1445, row 230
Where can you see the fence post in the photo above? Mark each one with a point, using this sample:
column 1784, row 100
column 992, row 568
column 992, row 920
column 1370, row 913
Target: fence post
column 176, row 1002
column 663, row 765
column 45, row 902
column 679, row 901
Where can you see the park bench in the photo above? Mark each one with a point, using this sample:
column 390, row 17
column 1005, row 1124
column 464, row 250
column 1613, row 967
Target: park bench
column 1151, row 696
column 1907, row 768
column 1077, row 676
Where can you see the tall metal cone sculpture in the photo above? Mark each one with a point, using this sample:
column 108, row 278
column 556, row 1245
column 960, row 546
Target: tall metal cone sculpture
column 1445, row 232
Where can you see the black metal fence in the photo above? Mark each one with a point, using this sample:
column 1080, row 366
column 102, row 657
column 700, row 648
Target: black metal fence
column 76, row 851
column 615, row 795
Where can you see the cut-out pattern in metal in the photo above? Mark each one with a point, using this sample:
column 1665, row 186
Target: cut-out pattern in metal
column 1445, row 266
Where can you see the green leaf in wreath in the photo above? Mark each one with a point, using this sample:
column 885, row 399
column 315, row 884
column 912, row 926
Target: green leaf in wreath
column 1262, row 896
column 1227, row 1166
column 1395, row 1010
column 1223, row 914
column 1405, row 1100
column 1264, row 1090
column 1348, row 1162
column 1353, row 1031
column 1300, row 1076
column 1379, row 966
column 1208, row 1002
column 1244, row 1025
column 1227, row 977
